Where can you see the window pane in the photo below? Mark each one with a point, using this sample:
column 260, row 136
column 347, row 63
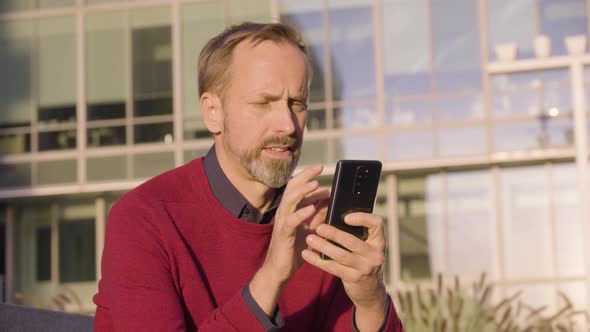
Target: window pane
column 56, row 3
column 76, row 250
column 153, row 133
column 536, row 295
column 106, row 136
column 57, row 140
column 195, row 129
column 306, row 16
column 512, row 22
column 151, row 164
column 15, row 143
column 561, row 18
column 106, row 168
column 406, row 60
column 200, row 22
column 57, row 68
column 152, row 61
column 16, row 5
column 409, row 112
column 471, row 222
column 314, row 151
column 15, row 175
column 545, row 133
column 525, row 222
column 420, row 221
column 16, row 51
column 450, row 109
column 352, row 49
column 252, row 10
column 568, row 228
column 462, row 141
column 357, row 147
column 410, row 145
column 355, row 116
column 455, row 30
column 106, row 64
column 57, row 171
column 43, row 242
column 192, row 154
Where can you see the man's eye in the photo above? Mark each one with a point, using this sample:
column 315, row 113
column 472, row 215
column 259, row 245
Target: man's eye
column 298, row 107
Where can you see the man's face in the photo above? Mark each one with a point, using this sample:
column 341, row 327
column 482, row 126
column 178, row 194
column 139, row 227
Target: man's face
column 265, row 110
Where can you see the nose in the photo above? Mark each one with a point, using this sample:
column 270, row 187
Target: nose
column 285, row 121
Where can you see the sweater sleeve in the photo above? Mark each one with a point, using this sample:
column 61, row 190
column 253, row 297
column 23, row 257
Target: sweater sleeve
column 339, row 317
column 137, row 289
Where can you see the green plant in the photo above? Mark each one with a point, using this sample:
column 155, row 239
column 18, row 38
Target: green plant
column 458, row 309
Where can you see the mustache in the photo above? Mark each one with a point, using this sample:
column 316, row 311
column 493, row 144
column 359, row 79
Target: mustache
column 289, row 141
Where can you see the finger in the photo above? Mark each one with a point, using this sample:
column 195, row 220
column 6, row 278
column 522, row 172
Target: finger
column 336, row 253
column 373, row 222
column 343, row 238
column 293, row 195
column 297, row 218
column 332, row 267
column 320, row 216
column 321, row 194
column 306, row 175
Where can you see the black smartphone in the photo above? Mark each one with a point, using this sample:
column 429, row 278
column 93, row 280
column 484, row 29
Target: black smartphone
column 354, row 189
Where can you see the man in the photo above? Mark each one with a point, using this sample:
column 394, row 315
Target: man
column 231, row 242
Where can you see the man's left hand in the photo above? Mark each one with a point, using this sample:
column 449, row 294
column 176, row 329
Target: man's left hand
column 360, row 268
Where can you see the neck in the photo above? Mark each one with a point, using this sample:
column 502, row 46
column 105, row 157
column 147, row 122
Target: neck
column 258, row 194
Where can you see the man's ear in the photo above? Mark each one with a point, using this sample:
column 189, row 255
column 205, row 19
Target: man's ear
column 211, row 112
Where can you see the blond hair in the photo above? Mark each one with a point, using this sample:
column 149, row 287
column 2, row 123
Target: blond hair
column 216, row 57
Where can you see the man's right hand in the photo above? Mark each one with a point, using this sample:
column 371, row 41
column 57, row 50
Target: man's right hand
column 299, row 213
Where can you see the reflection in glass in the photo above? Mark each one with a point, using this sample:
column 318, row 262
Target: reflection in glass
column 200, row 22
column 153, row 133
column 316, row 119
column 106, row 136
column 419, row 210
column 43, row 261
column 410, row 145
column 568, row 227
column 471, row 224
column 57, row 140
column 195, row 129
column 57, row 171
column 152, row 164
column 16, row 51
column 524, row 102
column 547, row 132
column 306, row 16
column 106, row 56
column 356, row 147
column 15, row 175
column 57, row 72
column 314, row 151
column 468, row 107
column 559, row 19
column 252, row 10
column 55, row 3
column 525, row 222
column 355, row 116
column 455, row 38
column 409, row 112
column 106, row 168
column 510, row 22
column 461, row 141
column 15, row 143
column 152, row 61
column 352, row 49
column 76, row 248
column 406, row 60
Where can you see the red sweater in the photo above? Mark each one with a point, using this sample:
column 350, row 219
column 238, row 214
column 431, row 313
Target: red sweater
column 176, row 260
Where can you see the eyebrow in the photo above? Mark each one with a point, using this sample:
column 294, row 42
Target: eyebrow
column 271, row 97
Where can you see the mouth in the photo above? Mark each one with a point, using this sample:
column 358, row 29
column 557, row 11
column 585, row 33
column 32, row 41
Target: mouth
column 278, row 151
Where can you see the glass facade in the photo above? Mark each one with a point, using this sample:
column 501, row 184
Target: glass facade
column 481, row 166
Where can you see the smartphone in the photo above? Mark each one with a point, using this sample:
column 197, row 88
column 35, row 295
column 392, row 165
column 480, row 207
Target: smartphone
column 354, row 189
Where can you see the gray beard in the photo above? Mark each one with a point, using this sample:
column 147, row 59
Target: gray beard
column 273, row 173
